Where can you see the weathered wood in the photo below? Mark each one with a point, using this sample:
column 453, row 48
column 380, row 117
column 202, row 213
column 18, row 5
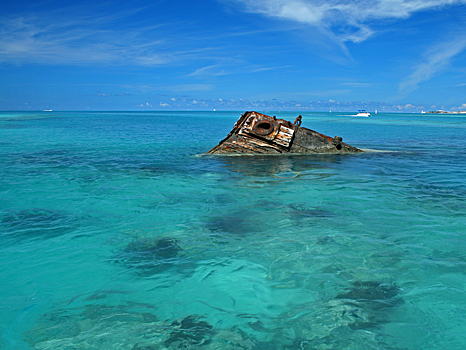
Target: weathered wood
column 256, row 133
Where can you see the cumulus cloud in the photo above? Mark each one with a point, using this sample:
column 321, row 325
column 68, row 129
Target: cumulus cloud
column 460, row 108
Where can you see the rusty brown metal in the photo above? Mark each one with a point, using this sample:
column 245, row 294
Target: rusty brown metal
column 298, row 120
column 257, row 133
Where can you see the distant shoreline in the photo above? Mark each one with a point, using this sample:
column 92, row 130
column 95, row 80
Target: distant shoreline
column 444, row 112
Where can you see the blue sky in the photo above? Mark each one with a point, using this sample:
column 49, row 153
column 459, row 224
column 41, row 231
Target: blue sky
column 340, row 55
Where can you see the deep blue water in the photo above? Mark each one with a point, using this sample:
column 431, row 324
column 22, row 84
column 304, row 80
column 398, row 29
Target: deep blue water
column 117, row 234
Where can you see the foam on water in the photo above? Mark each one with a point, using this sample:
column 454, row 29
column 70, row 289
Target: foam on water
column 116, row 235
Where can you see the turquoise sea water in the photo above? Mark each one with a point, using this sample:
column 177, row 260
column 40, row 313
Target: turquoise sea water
column 116, row 234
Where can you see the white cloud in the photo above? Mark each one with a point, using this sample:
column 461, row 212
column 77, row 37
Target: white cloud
column 437, row 59
column 212, row 70
column 298, row 11
column 269, row 68
column 65, row 37
column 49, row 39
column 460, row 108
column 347, row 20
column 351, row 21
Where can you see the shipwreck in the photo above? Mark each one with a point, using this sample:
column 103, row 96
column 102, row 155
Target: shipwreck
column 256, row 133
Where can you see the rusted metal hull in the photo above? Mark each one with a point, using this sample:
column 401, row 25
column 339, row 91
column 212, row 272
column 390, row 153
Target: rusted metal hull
column 256, row 133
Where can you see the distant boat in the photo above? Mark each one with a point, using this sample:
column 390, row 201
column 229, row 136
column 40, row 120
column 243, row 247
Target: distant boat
column 363, row 113
column 47, row 110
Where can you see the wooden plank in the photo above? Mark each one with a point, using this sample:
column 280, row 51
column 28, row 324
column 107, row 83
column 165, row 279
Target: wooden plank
column 284, row 136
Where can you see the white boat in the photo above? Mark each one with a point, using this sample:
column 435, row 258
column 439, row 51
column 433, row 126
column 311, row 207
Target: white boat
column 363, row 113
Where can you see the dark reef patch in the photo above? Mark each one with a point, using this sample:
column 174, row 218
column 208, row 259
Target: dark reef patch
column 324, row 240
column 373, row 294
column 150, row 256
column 189, row 332
column 232, row 224
column 149, row 249
column 238, row 222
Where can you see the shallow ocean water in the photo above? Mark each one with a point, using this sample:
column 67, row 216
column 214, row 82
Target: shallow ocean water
column 118, row 234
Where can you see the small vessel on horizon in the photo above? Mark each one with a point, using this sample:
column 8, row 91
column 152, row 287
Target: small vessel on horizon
column 363, row 113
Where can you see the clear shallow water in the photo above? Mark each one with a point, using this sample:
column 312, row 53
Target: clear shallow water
column 117, row 235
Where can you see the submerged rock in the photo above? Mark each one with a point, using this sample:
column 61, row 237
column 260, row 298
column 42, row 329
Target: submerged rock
column 189, row 332
column 256, row 133
column 377, row 295
column 236, row 223
column 149, row 249
column 149, row 256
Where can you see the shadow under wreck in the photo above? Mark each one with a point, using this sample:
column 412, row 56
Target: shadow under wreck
column 256, row 133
